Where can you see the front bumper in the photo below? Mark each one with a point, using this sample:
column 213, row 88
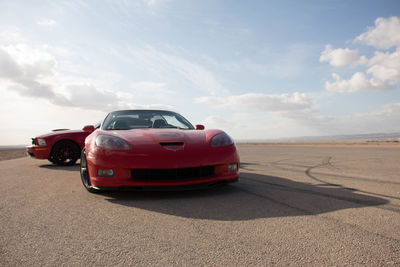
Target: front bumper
column 122, row 178
column 38, row 152
column 123, row 164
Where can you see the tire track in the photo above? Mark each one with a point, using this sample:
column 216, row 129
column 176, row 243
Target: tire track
column 278, row 165
column 325, row 162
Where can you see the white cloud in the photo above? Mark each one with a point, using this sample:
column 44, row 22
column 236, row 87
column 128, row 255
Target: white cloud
column 384, row 35
column 358, row 82
column 388, row 110
column 385, row 66
column 302, row 123
column 244, row 125
column 169, row 65
column 23, row 67
column 149, row 91
column 385, row 119
column 264, row 102
column 10, row 34
column 46, row 22
column 216, row 122
column 30, row 73
column 341, row 57
column 151, row 2
column 148, row 86
column 32, row 118
column 32, row 62
column 284, row 62
column 90, row 97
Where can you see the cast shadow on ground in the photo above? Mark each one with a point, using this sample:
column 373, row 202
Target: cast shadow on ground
column 254, row 196
column 50, row 166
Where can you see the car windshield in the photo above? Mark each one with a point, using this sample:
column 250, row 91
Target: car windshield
column 138, row 119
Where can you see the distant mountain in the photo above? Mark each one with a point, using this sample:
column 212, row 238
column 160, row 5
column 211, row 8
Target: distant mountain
column 373, row 137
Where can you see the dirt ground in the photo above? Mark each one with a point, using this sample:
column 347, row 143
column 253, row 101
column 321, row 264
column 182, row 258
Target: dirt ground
column 12, row 154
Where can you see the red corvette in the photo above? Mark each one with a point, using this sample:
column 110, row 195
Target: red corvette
column 61, row 147
column 156, row 149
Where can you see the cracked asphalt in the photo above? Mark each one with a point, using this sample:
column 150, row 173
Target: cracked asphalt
column 294, row 205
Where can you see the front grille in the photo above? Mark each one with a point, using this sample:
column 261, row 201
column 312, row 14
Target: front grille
column 172, row 174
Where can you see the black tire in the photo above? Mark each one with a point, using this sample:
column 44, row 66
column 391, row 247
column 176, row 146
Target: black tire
column 65, row 153
column 85, row 174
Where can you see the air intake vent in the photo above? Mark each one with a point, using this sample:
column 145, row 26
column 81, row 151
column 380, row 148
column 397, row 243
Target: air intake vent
column 171, row 143
column 172, row 174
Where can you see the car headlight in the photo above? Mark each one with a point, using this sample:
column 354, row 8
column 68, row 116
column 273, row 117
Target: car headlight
column 221, row 140
column 111, row 142
column 41, row 142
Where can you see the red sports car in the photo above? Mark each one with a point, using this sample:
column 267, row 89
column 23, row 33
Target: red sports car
column 156, row 149
column 61, row 146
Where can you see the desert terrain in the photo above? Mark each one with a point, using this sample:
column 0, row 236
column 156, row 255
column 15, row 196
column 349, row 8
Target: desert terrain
column 12, row 154
column 301, row 204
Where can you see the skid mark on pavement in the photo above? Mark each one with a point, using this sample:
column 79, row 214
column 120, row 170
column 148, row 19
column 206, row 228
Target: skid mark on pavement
column 287, row 166
column 327, row 162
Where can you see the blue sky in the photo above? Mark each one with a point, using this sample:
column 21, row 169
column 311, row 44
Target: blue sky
column 257, row 69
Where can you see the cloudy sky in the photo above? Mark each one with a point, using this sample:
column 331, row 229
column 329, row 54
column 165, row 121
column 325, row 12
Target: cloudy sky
column 257, row 69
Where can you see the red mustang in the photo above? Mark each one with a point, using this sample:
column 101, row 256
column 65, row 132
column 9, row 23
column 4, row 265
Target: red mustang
column 156, row 149
column 62, row 146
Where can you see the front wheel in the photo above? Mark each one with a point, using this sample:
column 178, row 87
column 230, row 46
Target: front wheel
column 85, row 173
column 65, row 153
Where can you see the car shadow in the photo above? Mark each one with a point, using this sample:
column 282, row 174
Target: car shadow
column 60, row 168
column 254, row 196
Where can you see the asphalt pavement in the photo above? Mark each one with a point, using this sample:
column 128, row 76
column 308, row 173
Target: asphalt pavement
column 297, row 205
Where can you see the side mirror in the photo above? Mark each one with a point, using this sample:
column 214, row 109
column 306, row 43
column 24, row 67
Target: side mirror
column 199, row 127
column 88, row 128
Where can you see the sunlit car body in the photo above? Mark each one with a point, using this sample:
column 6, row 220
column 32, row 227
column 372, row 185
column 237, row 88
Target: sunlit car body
column 155, row 149
column 61, row 146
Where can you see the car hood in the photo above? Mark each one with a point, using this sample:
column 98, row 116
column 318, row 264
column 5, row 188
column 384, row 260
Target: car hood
column 146, row 136
column 59, row 132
